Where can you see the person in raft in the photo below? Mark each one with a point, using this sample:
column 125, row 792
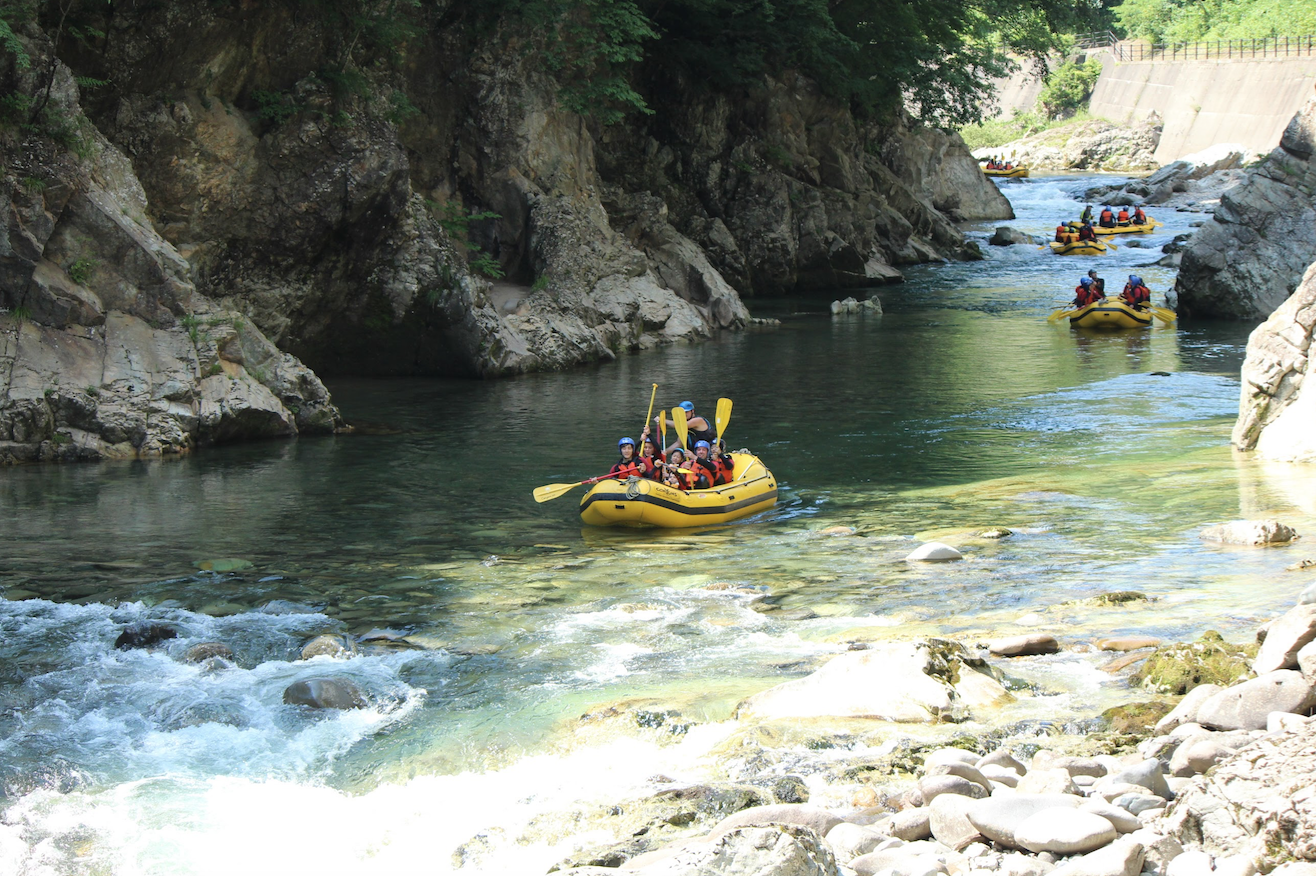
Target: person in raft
column 679, row 473
column 1085, row 294
column 1062, row 233
column 1135, row 293
column 726, row 463
column 1139, row 217
column 1098, row 284
column 628, row 464
column 1107, row 218
column 1086, row 232
column 706, row 461
column 1123, row 217
column 699, row 429
column 1087, row 214
column 650, row 459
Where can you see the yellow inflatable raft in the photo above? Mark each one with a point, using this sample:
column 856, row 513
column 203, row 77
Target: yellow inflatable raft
column 643, row 502
column 1079, row 247
column 1111, row 313
column 1145, row 228
column 1012, row 173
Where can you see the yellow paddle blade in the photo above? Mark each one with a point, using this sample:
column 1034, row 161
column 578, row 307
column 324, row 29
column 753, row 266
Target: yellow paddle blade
column 1060, row 314
column 1112, row 246
column 723, row 416
column 552, row 491
column 682, row 430
column 1164, row 315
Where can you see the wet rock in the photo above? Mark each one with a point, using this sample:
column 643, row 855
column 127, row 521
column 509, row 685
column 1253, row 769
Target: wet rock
column 204, row 651
column 325, row 693
column 935, row 552
column 144, row 635
column 820, row 821
column 871, row 306
column 1245, row 706
column 784, row 789
column 1177, row 669
column 1285, row 638
column 1128, row 643
column 328, row 645
column 1064, row 832
column 1250, row 532
column 1023, row 646
column 1007, row 236
column 999, row 817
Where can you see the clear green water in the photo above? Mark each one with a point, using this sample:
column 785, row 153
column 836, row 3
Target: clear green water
column 959, row 409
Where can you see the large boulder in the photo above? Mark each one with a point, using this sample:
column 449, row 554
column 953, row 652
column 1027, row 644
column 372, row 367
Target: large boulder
column 1250, row 257
column 1285, row 638
column 1246, row 706
column 1275, row 418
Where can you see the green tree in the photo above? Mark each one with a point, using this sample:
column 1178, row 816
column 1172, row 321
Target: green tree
column 1069, row 88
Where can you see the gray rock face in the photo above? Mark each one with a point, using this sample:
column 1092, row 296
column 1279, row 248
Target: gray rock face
column 1245, row 706
column 1273, row 417
column 1251, row 256
column 1091, row 145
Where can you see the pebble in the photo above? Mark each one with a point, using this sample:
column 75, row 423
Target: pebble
column 1128, row 643
column 911, row 825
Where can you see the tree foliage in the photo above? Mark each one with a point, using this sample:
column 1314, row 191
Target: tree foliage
column 1178, row 21
column 1068, row 87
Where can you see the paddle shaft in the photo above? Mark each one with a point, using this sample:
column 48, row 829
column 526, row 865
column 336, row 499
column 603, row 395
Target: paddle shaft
column 649, row 416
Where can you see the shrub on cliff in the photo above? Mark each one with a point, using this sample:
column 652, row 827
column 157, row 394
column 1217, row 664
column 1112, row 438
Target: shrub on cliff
column 1068, row 88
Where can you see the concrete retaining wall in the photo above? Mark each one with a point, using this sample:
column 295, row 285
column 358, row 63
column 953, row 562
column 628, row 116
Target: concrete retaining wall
column 1206, row 102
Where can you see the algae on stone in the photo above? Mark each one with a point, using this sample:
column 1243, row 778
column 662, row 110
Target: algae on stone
column 1178, row 668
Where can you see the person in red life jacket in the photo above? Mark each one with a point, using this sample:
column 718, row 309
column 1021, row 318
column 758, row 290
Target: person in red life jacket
column 1135, row 293
column 1123, row 217
column 650, row 459
column 706, row 461
column 1139, row 217
column 1084, row 294
column 628, row 465
column 726, row 464
column 1087, row 232
column 1107, row 218
column 1098, row 284
column 1062, row 233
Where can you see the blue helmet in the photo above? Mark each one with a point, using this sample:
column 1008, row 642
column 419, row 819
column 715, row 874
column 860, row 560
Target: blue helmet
column 1135, row 279
column 699, row 444
column 687, row 406
column 623, row 442
column 1086, row 281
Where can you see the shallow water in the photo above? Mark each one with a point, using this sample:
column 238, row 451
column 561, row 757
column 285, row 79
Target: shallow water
column 959, row 409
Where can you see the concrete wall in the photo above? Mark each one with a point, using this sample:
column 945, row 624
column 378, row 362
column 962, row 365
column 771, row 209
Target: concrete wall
column 1206, row 102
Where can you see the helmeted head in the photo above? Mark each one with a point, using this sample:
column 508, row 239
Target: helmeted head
column 1135, row 279
column 1086, row 281
column 701, row 445
column 1093, row 273
column 623, row 444
column 647, row 447
column 688, row 407
column 676, row 457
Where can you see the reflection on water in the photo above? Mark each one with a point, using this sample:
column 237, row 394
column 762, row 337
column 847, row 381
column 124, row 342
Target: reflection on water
column 959, row 409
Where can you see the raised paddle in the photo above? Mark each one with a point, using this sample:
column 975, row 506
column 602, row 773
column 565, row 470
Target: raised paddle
column 552, row 491
column 722, row 417
column 649, row 416
column 682, row 430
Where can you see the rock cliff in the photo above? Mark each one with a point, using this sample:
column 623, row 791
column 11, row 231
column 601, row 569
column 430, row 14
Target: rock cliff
column 1251, row 256
column 231, row 183
column 1276, row 418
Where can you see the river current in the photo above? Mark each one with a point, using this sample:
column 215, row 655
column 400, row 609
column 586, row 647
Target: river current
column 961, row 408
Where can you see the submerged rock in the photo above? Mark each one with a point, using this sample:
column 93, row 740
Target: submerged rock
column 144, row 635
column 328, row 645
column 204, row 651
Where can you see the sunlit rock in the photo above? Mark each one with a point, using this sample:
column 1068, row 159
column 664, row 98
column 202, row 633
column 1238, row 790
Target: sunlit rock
column 1024, row 646
column 935, row 551
column 1285, row 638
column 1064, row 831
column 1250, row 532
column 1246, row 706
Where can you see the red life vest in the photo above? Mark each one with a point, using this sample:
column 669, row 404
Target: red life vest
column 1107, row 217
column 626, row 469
column 1086, row 233
column 1062, row 231
column 1085, row 295
column 1136, row 295
column 1139, row 217
column 1124, row 216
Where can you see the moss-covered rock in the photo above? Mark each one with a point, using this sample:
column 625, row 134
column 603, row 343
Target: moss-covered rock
column 1178, row 668
column 1136, row 718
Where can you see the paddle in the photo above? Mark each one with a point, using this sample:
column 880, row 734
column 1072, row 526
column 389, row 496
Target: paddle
column 552, row 491
column 722, row 417
column 682, row 430
column 1061, row 313
column 649, row 416
column 1161, row 313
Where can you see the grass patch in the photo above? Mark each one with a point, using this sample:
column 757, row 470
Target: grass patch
column 997, row 132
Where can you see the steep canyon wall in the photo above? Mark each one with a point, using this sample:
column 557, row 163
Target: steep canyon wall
column 231, row 187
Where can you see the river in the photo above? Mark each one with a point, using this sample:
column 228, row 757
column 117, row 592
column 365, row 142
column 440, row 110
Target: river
column 959, row 409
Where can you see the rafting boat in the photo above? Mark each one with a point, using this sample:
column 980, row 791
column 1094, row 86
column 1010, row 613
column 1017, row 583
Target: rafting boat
column 642, row 502
column 1079, row 247
column 1012, row 173
column 1145, row 228
column 1111, row 313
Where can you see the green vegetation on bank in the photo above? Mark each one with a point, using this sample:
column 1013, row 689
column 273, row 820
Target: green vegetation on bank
column 1063, row 101
column 998, row 132
column 936, row 57
column 1176, row 21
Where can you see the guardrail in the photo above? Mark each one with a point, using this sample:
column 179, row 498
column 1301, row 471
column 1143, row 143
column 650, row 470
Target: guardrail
column 1203, row 50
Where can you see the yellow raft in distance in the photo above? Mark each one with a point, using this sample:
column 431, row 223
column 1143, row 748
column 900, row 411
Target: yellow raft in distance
column 1111, row 313
column 1013, row 173
column 644, row 502
column 1146, row 227
column 1079, row 247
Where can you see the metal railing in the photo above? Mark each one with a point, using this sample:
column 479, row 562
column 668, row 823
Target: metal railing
column 1203, row 50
